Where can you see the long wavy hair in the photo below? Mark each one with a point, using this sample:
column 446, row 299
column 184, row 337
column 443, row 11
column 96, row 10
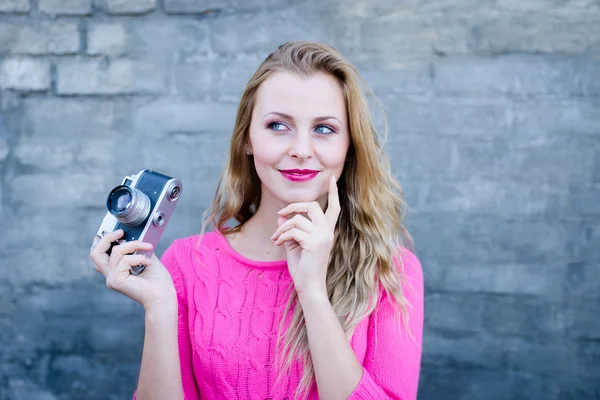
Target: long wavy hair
column 370, row 233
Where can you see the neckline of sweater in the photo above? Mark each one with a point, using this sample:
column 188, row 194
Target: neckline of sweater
column 224, row 245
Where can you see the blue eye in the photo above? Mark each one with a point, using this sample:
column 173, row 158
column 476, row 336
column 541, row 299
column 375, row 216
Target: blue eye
column 324, row 129
column 277, row 126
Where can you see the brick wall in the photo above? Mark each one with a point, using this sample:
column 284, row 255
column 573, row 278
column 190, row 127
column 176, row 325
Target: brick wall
column 494, row 111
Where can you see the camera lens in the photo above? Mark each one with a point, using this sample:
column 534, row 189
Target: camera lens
column 129, row 205
column 121, row 200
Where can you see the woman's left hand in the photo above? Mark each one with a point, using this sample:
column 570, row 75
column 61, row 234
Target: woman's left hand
column 308, row 241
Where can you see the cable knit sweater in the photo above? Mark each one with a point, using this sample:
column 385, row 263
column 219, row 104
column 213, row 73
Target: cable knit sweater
column 229, row 315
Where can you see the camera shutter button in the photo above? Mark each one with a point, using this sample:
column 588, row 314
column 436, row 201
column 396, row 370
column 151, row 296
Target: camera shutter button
column 159, row 219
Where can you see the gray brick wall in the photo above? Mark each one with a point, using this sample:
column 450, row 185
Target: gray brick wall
column 494, row 111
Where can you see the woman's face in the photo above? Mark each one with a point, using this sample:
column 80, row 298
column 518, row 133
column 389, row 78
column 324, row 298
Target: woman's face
column 299, row 124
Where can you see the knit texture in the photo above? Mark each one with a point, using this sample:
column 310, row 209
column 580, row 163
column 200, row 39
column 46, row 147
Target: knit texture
column 229, row 313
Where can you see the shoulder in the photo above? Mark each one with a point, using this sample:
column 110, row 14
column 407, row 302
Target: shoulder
column 184, row 246
column 183, row 252
column 410, row 272
column 183, row 256
column 409, row 267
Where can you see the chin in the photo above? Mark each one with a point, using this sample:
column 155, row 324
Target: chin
column 297, row 196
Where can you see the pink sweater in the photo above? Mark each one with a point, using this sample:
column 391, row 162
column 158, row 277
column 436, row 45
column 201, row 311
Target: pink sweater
column 228, row 308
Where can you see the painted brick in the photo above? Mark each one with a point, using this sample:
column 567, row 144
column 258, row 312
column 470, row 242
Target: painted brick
column 184, row 117
column 524, row 317
column 15, row 6
column 462, row 350
column 4, row 149
column 535, row 33
column 521, row 75
column 25, row 74
column 192, row 6
column 588, row 356
column 145, row 40
column 581, row 324
column 448, row 115
column 549, row 356
column 488, row 195
column 66, row 7
column 582, row 281
column 206, row 6
column 129, row 6
column 77, row 188
column 455, row 312
column 268, row 32
column 503, row 240
column 221, row 81
column 63, row 118
column 498, row 278
column 117, row 77
column 107, row 38
column 38, row 38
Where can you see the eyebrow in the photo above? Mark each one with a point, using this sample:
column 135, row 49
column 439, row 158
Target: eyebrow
column 283, row 115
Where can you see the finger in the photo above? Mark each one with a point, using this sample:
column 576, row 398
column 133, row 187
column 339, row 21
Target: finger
column 128, row 248
column 95, row 242
column 131, row 260
column 299, row 222
column 313, row 209
column 293, row 234
column 105, row 242
column 121, row 272
column 333, row 206
column 99, row 248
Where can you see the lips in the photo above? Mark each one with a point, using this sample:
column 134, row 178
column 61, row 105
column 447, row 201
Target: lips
column 299, row 175
column 299, row 171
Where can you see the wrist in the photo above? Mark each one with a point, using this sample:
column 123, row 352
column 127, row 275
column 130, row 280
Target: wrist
column 161, row 322
column 163, row 307
column 316, row 297
column 158, row 319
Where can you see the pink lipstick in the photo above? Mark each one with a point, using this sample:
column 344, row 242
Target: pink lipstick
column 299, row 175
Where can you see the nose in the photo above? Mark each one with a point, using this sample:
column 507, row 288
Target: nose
column 302, row 146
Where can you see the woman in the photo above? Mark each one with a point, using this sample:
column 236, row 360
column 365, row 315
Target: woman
column 312, row 294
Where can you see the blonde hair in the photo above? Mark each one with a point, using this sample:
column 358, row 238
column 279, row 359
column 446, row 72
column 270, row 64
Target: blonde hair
column 370, row 231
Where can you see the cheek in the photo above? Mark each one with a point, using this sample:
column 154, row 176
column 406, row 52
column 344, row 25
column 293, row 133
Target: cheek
column 332, row 157
column 265, row 163
column 265, row 157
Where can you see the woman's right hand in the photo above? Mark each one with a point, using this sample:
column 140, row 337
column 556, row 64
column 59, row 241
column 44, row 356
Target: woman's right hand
column 152, row 288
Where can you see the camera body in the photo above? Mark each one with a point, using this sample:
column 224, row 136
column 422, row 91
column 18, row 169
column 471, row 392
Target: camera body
column 142, row 206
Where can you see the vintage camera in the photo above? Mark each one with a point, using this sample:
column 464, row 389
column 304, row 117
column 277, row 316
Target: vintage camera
column 141, row 206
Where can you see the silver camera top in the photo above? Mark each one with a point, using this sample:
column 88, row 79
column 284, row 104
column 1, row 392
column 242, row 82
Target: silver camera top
column 141, row 206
